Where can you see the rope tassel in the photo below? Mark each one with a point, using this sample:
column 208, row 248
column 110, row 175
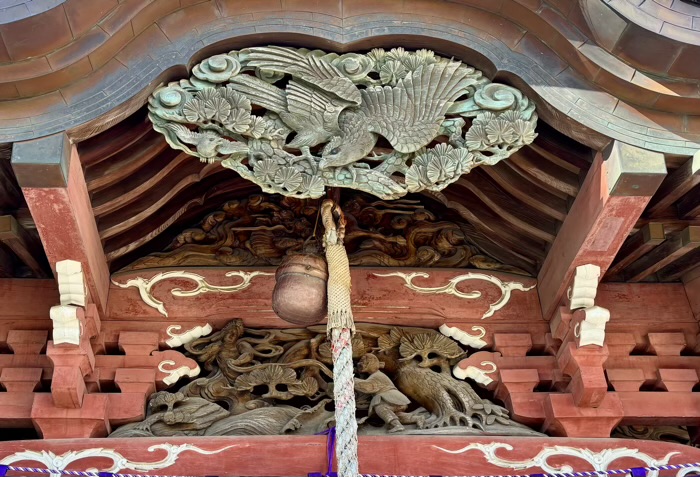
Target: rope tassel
column 340, row 328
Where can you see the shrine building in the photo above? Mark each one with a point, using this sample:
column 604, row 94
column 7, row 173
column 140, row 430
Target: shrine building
column 350, row 237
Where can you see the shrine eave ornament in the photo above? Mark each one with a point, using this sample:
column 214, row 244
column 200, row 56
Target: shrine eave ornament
column 295, row 121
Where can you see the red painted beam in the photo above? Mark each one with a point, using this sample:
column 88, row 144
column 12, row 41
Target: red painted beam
column 27, row 299
column 49, row 171
column 691, row 282
column 616, row 191
column 376, row 298
column 386, row 455
column 660, row 408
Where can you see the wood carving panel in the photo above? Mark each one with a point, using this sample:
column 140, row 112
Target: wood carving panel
column 253, row 110
column 261, row 229
column 271, row 382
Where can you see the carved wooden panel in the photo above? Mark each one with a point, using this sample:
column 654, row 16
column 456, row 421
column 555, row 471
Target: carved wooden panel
column 261, row 230
column 271, row 382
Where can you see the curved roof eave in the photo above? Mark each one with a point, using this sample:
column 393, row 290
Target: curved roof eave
column 580, row 88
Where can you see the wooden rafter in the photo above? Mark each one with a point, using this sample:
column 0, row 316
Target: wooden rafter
column 24, row 245
column 676, row 185
column 616, row 191
column 636, row 245
column 674, row 248
column 689, row 206
column 51, row 176
column 680, row 267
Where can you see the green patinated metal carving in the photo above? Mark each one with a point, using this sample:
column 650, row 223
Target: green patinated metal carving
column 295, row 121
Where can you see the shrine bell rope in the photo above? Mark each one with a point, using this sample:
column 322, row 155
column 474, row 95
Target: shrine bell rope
column 340, row 328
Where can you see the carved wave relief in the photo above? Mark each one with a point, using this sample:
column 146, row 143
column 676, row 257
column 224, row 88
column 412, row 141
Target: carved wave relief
column 450, row 288
column 145, row 286
column 274, row 381
column 296, row 121
column 59, row 463
column 600, row 461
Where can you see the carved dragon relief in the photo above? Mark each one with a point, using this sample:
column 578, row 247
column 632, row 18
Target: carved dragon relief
column 260, row 230
column 279, row 381
column 295, row 121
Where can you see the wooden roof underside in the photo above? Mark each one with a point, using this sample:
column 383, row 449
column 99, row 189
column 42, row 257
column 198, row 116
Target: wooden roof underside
column 597, row 76
column 144, row 193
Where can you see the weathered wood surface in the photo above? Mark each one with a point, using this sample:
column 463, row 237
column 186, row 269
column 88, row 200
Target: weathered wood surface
column 23, row 244
column 376, row 299
column 25, row 299
column 637, row 245
column 386, row 300
column 292, row 456
column 616, row 191
column 64, row 217
column 691, row 281
column 674, row 248
column 676, row 185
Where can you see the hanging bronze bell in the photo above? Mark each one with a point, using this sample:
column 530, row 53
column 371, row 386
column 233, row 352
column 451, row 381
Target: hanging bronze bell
column 299, row 296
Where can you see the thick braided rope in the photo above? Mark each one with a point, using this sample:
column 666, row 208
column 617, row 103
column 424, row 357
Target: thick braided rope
column 344, row 395
column 340, row 329
column 339, row 305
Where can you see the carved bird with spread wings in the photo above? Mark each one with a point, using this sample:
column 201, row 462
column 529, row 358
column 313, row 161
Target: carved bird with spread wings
column 322, row 105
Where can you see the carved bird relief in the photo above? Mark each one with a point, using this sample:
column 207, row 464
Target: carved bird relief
column 286, row 388
column 408, row 114
column 296, row 121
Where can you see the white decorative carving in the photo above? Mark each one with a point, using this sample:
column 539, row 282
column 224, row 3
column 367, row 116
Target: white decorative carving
column 145, row 285
column 119, row 462
column 585, row 287
column 473, row 341
column 450, row 288
column 598, row 460
column 581, row 294
column 176, row 373
column 476, row 374
column 592, row 328
column 66, row 324
column 71, row 283
column 179, row 339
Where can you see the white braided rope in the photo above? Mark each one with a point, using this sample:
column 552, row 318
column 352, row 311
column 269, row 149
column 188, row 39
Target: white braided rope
column 340, row 330
column 344, row 395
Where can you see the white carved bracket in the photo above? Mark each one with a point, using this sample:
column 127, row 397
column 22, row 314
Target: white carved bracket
column 585, row 287
column 477, row 375
column 67, row 326
column 69, row 317
column 473, row 341
column 179, row 339
column 71, row 283
column 591, row 329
